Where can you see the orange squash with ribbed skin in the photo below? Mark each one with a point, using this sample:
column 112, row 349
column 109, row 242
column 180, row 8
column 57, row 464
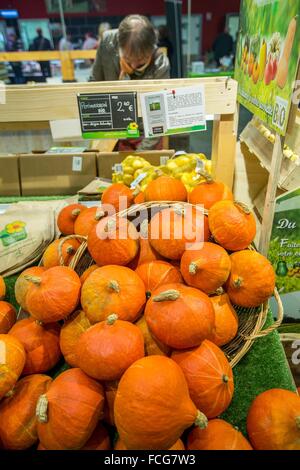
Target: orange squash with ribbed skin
column 156, row 274
column 113, row 241
column 8, row 316
column 51, row 256
column 146, row 252
column 12, row 362
column 209, row 192
column 177, row 446
column 113, row 195
column 87, row 220
column 107, row 349
column 152, row 345
column 165, row 188
column 140, row 198
column 70, row 332
column 69, row 411
column 41, row 344
column 180, row 316
column 54, row 295
column 18, row 424
column 67, row 217
column 226, row 320
column 172, row 231
column 99, row 440
column 207, row 268
column 110, row 389
column 209, row 377
column 252, row 279
column 113, row 289
column 22, row 285
column 2, row 288
column 273, row 421
column 153, row 406
column 87, row 272
column 232, row 225
column 218, row 435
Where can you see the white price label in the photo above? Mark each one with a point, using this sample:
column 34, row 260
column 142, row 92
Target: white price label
column 77, row 164
column 137, row 180
column 280, row 112
column 163, row 160
column 118, row 168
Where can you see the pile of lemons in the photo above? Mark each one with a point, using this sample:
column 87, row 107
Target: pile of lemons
column 135, row 170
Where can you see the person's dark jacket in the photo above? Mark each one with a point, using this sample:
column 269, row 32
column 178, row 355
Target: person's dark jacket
column 107, row 64
column 223, row 46
column 41, row 44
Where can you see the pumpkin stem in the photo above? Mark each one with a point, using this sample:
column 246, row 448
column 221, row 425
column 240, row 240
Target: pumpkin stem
column 144, row 229
column 297, row 419
column 99, row 214
column 238, row 282
column 75, row 212
column 179, row 210
column 171, row 294
column 201, row 421
column 195, row 266
column 39, row 322
column 219, row 291
column 243, row 206
column 10, row 393
column 111, row 319
column 209, row 179
column 225, row 378
column 34, row 279
column 114, row 285
column 111, row 225
column 42, row 409
column 70, row 250
column 148, row 295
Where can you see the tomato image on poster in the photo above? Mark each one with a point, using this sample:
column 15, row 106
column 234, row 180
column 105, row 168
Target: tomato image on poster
column 267, row 58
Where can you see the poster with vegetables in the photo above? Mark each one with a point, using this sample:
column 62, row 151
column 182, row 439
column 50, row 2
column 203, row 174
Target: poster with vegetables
column 267, row 58
column 284, row 252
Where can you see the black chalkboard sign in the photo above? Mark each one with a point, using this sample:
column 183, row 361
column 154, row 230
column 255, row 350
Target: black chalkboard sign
column 104, row 112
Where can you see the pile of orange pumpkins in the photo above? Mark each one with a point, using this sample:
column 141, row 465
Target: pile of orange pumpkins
column 141, row 330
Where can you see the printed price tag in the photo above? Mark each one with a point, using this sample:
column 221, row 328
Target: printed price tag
column 77, row 164
column 280, row 112
column 137, row 180
column 117, row 168
column 163, row 160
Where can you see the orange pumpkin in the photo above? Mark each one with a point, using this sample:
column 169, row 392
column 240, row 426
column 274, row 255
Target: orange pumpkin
column 252, row 279
column 152, row 345
column 209, row 192
column 12, row 361
column 41, row 344
column 114, row 289
column 70, row 332
column 179, row 316
column 152, row 405
column 67, row 217
column 18, row 424
column 174, row 230
column 218, row 435
column 273, row 421
column 2, row 288
column 107, row 349
column 99, row 440
column 8, row 316
column 87, row 272
column 22, row 284
column 110, row 395
column 165, row 188
column 232, row 225
column 69, row 411
column 207, row 268
column 119, row 196
column 209, row 377
column 53, row 295
column 226, row 320
column 177, row 446
column 52, row 256
column 113, row 241
column 157, row 273
column 87, row 220
column 140, row 198
column 146, row 253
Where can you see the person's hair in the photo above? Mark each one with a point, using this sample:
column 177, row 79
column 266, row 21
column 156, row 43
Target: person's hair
column 163, row 32
column 102, row 28
column 39, row 31
column 137, row 35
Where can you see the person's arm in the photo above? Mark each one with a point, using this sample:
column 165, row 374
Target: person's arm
column 97, row 71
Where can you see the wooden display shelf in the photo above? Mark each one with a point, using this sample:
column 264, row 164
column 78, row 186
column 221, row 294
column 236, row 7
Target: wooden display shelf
column 48, row 103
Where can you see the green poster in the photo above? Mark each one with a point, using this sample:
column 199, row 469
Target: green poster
column 284, row 252
column 267, row 58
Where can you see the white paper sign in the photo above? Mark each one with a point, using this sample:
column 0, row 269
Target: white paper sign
column 77, row 164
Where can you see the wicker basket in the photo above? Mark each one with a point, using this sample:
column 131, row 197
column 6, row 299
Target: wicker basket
column 251, row 320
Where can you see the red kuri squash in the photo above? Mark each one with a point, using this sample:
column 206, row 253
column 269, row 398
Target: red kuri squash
column 119, row 196
column 67, row 217
column 226, row 320
column 73, row 327
column 22, row 284
column 157, row 273
column 87, row 220
column 209, row 192
column 2, row 288
column 165, row 188
column 8, row 316
column 12, row 361
column 52, row 256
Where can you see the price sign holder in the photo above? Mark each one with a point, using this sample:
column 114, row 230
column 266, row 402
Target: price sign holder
column 108, row 115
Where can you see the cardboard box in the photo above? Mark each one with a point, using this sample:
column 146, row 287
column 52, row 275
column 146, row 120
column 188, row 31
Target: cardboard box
column 57, row 174
column 9, row 175
column 106, row 160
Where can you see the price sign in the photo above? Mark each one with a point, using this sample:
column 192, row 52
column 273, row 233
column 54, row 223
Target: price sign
column 280, row 112
column 108, row 115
